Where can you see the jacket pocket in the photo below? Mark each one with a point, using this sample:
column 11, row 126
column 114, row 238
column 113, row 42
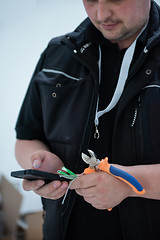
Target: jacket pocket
column 154, row 121
column 56, row 78
column 65, row 102
column 145, row 125
column 56, row 86
column 61, row 100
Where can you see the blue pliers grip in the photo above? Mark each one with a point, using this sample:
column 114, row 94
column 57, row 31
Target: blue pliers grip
column 122, row 175
column 128, row 178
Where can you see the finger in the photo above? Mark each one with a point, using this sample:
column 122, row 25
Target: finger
column 58, row 192
column 32, row 185
column 53, row 190
column 101, row 207
column 95, row 203
column 91, row 200
column 87, row 192
column 47, row 189
column 85, row 181
column 55, row 194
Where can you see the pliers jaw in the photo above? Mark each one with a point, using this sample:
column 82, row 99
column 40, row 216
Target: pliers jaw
column 91, row 160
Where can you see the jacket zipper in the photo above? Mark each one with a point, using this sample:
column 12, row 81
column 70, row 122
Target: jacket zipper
column 84, row 144
column 136, row 112
column 88, row 128
column 136, row 126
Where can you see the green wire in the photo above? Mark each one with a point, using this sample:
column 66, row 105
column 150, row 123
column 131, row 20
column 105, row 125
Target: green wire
column 68, row 174
column 62, row 173
column 69, row 171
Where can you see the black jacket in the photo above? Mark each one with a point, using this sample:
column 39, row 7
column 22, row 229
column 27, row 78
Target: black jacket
column 59, row 109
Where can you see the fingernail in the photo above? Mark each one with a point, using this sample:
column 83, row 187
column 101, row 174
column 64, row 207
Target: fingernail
column 40, row 183
column 36, row 164
column 56, row 184
column 63, row 186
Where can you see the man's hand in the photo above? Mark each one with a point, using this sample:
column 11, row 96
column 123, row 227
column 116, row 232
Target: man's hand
column 49, row 162
column 53, row 190
column 46, row 161
column 101, row 190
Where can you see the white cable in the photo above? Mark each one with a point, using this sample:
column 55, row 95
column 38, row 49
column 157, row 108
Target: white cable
column 68, row 190
column 124, row 71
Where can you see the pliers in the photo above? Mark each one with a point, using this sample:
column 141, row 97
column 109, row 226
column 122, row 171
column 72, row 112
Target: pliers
column 95, row 165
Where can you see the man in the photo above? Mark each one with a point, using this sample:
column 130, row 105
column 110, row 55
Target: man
column 97, row 88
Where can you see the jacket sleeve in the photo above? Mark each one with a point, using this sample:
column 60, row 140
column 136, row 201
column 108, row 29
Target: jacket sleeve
column 29, row 124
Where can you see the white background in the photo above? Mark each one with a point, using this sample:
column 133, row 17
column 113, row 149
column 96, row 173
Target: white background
column 26, row 26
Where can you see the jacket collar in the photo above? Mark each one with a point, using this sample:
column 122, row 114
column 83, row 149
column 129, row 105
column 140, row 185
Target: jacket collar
column 154, row 25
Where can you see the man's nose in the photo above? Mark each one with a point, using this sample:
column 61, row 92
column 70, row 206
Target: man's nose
column 103, row 12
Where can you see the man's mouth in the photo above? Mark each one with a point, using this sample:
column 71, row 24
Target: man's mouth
column 109, row 26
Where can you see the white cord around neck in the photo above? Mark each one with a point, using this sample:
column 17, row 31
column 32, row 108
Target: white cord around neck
column 124, row 71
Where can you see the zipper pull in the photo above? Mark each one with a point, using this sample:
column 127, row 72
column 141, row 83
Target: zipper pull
column 96, row 134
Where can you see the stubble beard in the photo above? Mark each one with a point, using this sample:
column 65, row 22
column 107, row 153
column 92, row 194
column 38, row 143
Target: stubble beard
column 125, row 33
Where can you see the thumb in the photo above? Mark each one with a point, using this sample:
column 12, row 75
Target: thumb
column 37, row 159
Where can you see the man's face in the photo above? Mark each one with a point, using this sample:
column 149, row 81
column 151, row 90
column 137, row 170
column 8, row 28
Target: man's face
column 118, row 20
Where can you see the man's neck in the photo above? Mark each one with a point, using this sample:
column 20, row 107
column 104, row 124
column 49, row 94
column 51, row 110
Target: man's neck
column 126, row 43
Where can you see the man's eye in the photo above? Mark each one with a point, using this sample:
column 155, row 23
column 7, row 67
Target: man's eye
column 116, row 1
column 91, row 0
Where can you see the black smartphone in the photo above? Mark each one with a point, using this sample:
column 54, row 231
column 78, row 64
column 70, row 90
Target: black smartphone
column 32, row 174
